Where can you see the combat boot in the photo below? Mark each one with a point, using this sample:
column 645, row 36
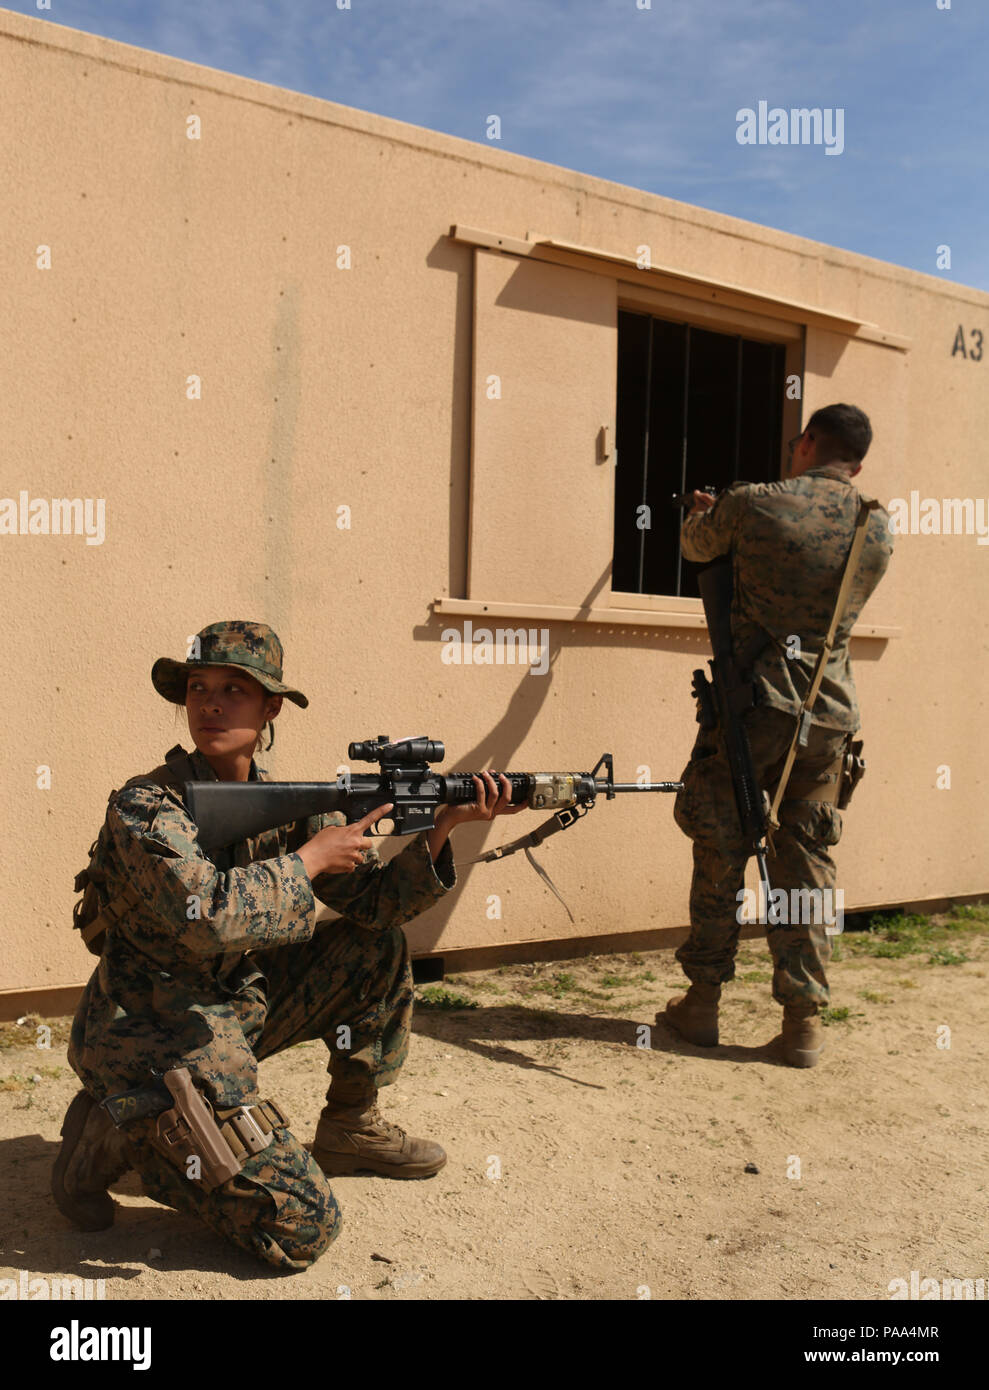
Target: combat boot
column 93, row 1155
column 694, row 1015
column 352, row 1136
column 803, row 1036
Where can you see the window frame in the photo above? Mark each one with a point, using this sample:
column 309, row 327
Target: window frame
column 686, row 309
column 701, row 299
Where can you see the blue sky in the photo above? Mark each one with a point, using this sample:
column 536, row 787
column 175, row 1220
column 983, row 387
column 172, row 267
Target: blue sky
column 648, row 97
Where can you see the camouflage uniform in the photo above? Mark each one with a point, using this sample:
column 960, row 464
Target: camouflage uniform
column 222, row 964
column 789, row 542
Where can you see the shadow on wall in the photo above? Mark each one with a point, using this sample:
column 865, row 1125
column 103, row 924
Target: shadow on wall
column 499, row 747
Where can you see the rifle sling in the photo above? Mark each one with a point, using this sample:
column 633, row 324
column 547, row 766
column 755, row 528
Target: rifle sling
column 529, row 843
column 802, row 730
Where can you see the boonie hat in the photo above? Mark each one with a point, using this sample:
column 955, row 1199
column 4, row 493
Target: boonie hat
column 250, row 647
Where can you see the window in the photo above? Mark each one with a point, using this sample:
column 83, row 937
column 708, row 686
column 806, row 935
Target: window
column 695, row 408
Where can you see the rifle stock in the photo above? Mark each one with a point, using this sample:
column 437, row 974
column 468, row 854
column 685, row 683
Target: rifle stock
column 224, row 814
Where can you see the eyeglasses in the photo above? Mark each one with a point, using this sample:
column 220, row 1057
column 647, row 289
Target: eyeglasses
column 791, row 444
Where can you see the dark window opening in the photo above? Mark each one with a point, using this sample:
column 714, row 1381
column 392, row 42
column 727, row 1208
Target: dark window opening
column 695, row 408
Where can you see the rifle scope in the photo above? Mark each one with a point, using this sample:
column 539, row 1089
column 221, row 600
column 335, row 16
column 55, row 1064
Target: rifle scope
column 408, row 752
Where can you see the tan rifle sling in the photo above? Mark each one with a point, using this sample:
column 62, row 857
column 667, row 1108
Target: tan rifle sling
column 802, row 731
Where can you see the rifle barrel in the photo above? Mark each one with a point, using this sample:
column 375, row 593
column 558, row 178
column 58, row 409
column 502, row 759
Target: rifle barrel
column 637, row 787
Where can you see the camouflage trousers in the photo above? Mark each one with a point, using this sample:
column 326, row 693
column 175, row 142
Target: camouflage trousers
column 705, row 811
column 279, row 1207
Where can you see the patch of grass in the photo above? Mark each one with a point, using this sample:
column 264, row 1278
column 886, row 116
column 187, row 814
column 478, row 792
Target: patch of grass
column 893, row 935
column 24, row 1083
column 891, row 948
column 906, row 983
column 756, row 977
column 945, row 956
column 971, row 912
column 602, row 996
column 873, row 996
column 613, row 982
column 26, row 1034
column 646, row 978
column 437, row 997
column 829, row 1016
column 561, row 983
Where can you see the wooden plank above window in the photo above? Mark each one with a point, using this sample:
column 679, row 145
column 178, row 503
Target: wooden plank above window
column 567, row 253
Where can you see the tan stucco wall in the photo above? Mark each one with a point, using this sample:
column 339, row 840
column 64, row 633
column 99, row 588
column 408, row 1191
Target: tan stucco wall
column 324, row 387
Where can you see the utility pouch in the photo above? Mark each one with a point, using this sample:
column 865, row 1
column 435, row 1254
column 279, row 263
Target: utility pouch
column 93, row 913
column 87, row 911
column 852, row 772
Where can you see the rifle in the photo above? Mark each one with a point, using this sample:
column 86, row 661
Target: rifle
column 226, row 812
column 721, row 701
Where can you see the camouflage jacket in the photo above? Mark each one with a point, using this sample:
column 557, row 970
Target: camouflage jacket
column 789, row 542
column 176, row 980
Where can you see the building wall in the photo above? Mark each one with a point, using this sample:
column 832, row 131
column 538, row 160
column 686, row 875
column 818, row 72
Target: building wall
column 365, row 388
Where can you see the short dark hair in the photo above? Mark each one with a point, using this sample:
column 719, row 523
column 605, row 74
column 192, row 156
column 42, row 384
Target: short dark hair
column 843, row 433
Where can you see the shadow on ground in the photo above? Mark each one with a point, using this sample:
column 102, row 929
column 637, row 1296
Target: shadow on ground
column 502, row 1024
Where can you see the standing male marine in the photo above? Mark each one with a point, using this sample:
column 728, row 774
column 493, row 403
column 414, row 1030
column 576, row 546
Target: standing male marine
column 788, row 543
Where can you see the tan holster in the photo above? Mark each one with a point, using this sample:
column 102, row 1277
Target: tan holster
column 221, row 1141
column 835, row 783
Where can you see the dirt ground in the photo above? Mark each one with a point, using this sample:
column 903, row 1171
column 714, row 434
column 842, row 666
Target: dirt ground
column 583, row 1165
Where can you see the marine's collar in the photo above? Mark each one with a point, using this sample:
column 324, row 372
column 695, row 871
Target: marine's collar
column 205, row 772
column 829, row 470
